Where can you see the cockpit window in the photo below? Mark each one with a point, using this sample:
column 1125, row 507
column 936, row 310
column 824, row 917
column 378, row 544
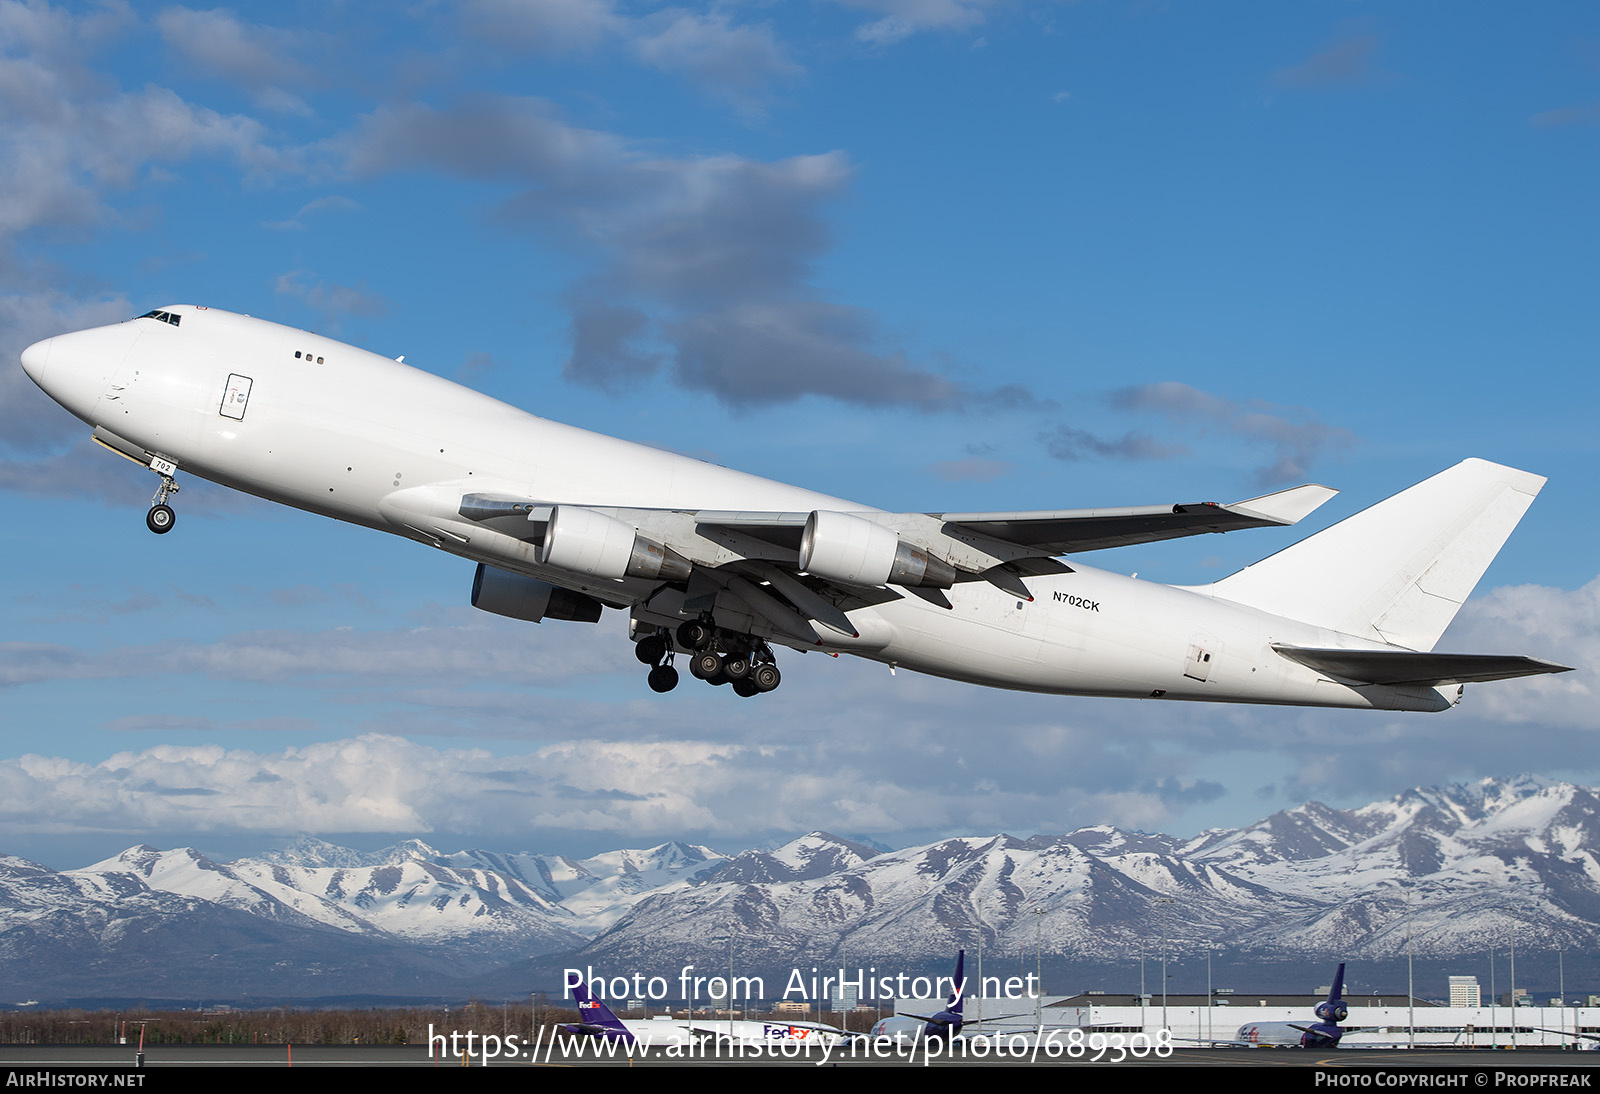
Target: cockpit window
column 164, row 316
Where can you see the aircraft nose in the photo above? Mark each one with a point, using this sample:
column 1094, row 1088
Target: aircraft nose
column 34, row 359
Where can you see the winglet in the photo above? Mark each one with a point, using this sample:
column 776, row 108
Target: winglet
column 1286, row 506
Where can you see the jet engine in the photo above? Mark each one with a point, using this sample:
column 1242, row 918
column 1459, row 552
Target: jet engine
column 1332, row 1010
column 841, row 547
column 518, row 597
column 587, row 542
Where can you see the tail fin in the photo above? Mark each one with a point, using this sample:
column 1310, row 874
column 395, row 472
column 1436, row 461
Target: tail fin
column 595, row 1018
column 958, row 997
column 1399, row 571
column 1333, row 1009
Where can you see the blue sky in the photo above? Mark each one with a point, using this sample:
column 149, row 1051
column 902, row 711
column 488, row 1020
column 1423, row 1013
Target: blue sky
column 928, row 254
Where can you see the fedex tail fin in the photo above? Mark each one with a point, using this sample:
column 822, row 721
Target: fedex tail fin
column 1333, row 1010
column 595, row 1019
column 1399, row 571
column 958, row 997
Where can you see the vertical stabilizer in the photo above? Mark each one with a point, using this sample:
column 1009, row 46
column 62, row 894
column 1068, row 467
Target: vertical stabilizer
column 1399, row 571
column 958, row 995
column 595, row 1019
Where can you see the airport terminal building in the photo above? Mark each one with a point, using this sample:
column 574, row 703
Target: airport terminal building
column 1374, row 1021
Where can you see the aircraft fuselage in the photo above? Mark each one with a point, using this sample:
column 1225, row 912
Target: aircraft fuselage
column 306, row 421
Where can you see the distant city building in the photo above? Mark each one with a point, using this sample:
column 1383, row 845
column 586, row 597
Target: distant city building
column 842, row 1000
column 1465, row 992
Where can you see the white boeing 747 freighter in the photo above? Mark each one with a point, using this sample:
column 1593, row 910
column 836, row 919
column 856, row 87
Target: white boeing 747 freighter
column 717, row 567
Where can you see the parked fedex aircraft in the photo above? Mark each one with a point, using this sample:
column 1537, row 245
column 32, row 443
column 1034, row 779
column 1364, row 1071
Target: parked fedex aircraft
column 943, row 1025
column 1325, row 1032
column 597, row 1020
column 719, row 567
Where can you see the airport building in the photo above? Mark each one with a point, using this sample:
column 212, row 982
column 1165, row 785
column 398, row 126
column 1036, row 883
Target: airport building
column 1374, row 1021
column 1464, row 992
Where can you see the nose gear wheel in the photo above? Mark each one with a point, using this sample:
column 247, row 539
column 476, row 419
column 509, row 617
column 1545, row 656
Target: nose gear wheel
column 161, row 518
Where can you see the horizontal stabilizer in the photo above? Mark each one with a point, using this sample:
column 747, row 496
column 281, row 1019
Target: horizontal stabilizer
column 1398, row 667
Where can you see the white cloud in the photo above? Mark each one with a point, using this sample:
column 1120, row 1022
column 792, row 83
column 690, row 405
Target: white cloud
column 1559, row 625
column 331, row 300
column 736, row 62
column 842, row 745
column 732, row 61
column 544, row 26
column 902, row 18
column 1343, row 63
column 1294, row 436
column 68, row 135
column 267, row 61
column 706, row 261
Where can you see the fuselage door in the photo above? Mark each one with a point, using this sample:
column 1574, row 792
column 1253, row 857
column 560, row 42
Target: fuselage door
column 235, row 397
column 1201, row 651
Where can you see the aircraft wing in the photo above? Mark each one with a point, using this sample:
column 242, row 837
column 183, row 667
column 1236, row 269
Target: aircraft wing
column 1051, row 532
column 1070, row 531
column 1403, row 667
column 970, row 542
column 801, row 570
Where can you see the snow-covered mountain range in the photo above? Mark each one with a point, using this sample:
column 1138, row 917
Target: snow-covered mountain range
column 1476, row 866
column 1461, row 868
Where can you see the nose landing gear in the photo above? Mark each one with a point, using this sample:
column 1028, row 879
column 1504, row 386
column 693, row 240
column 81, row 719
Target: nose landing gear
column 161, row 518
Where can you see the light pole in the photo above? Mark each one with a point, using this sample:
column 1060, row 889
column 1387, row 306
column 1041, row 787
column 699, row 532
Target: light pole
column 1142, row 996
column 1411, row 984
column 1513, row 948
column 1038, row 965
column 1561, row 990
column 1164, row 948
column 980, row 972
column 1209, row 1000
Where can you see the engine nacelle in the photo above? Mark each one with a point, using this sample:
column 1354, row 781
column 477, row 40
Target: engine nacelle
column 847, row 548
column 1334, row 1012
column 519, row 597
column 587, row 542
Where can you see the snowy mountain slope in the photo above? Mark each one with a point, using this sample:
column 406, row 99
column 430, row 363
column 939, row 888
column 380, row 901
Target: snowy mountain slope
column 1456, row 869
column 1460, row 867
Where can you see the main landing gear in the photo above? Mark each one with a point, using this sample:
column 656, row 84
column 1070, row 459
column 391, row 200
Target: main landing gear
column 655, row 651
column 723, row 657
column 716, row 656
column 161, row 518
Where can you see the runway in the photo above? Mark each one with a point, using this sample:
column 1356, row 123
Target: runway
column 20, row 1058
